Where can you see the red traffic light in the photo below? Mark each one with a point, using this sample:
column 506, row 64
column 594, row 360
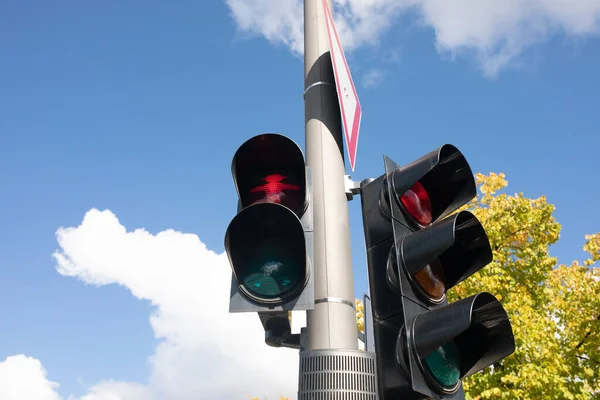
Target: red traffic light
column 274, row 190
column 417, row 204
column 269, row 168
column 431, row 187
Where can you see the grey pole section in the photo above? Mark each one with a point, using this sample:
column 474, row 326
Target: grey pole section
column 332, row 324
column 330, row 363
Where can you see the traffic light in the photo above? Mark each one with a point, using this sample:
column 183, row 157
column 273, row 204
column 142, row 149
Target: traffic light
column 416, row 251
column 270, row 241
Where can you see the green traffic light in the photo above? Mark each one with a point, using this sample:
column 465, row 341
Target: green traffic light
column 444, row 365
column 267, row 249
column 274, row 271
column 273, row 279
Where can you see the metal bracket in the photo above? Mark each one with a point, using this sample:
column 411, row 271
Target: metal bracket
column 352, row 187
column 278, row 330
column 369, row 337
column 293, row 342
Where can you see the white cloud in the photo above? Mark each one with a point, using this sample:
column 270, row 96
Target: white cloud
column 499, row 32
column 358, row 22
column 373, row 77
column 496, row 33
column 111, row 390
column 204, row 352
column 279, row 21
column 24, row 377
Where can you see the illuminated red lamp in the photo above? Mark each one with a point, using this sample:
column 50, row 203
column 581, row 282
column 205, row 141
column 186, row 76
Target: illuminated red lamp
column 417, row 204
column 275, row 191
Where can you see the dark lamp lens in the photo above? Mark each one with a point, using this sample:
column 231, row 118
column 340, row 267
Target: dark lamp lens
column 273, row 272
column 416, row 202
column 443, row 365
column 431, row 280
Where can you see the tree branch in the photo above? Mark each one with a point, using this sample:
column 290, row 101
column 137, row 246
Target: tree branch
column 496, row 248
column 589, row 332
column 587, row 359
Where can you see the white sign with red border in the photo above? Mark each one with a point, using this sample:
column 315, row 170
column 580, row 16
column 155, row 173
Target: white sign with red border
column 348, row 99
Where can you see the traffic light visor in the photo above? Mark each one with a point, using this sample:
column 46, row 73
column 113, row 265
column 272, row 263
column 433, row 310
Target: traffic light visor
column 438, row 257
column 267, row 251
column 459, row 339
column 433, row 186
column 269, row 168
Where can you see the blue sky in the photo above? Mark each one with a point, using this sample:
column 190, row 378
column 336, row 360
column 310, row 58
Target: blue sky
column 136, row 108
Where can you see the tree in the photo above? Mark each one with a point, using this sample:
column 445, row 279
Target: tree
column 554, row 309
column 360, row 315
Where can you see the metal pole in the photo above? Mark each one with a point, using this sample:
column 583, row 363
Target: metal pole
column 332, row 324
column 330, row 363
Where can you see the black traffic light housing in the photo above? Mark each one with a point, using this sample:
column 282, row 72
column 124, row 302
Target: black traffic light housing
column 270, row 241
column 415, row 253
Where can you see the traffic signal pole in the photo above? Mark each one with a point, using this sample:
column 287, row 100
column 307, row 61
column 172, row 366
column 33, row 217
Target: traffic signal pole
column 332, row 324
column 330, row 363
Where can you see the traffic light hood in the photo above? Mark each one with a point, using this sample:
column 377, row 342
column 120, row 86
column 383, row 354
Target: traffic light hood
column 478, row 326
column 458, row 244
column 444, row 174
